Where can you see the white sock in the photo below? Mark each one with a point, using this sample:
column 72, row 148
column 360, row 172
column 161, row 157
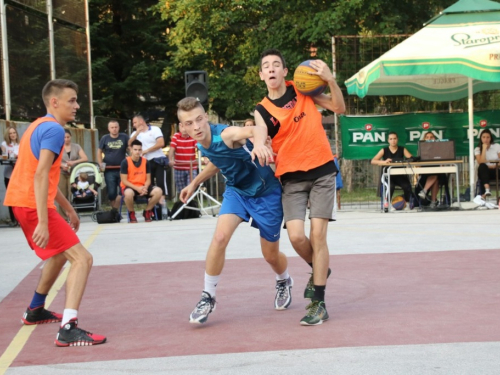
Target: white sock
column 283, row 276
column 68, row 314
column 211, row 283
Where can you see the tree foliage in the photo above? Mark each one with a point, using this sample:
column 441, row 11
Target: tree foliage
column 226, row 37
column 129, row 55
column 141, row 49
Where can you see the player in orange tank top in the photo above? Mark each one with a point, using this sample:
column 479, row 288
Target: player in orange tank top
column 32, row 192
column 305, row 165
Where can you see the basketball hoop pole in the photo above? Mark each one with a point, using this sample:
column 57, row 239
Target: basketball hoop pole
column 200, row 193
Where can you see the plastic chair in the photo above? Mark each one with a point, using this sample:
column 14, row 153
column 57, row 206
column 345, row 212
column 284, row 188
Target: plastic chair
column 137, row 200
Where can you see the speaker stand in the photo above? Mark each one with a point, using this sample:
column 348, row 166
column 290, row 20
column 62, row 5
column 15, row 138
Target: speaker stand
column 200, row 193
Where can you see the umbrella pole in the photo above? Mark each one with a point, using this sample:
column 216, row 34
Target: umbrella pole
column 471, row 142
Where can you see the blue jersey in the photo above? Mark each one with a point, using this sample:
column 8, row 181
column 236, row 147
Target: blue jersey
column 242, row 174
column 48, row 135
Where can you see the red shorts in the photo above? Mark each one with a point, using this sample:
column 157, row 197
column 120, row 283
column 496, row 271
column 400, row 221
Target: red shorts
column 61, row 236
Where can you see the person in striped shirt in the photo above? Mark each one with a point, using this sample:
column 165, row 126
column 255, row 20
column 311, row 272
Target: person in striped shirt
column 182, row 157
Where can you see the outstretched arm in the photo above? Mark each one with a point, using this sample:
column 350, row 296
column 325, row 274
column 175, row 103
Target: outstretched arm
column 260, row 150
column 209, row 171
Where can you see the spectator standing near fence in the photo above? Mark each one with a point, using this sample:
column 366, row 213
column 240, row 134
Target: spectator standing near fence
column 114, row 147
column 32, row 191
column 10, row 148
column 182, row 157
column 152, row 141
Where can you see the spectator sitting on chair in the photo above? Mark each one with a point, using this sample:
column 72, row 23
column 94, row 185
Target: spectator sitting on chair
column 431, row 182
column 135, row 174
column 81, row 188
column 389, row 154
column 182, row 157
column 487, row 150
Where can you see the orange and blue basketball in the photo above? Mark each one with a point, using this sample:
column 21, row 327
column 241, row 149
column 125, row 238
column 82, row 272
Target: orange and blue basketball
column 398, row 202
column 308, row 84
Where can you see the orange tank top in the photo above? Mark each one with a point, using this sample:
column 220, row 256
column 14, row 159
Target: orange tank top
column 301, row 143
column 136, row 175
column 21, row 190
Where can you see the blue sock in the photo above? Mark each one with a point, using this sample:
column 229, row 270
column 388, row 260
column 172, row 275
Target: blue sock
column 38, row 300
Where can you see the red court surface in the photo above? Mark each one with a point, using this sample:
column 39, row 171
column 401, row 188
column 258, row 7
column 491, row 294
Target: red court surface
column 379, row 299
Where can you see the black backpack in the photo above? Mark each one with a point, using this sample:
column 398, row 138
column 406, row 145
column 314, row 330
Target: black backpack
column 186, row 213
column 107, row 217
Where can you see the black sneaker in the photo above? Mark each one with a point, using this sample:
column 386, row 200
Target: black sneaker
column 309, row 291
column 39, row 315
column 202, row 309
column 71, row 335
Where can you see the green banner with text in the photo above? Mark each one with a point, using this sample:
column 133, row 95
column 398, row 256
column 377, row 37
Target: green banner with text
column 364, row 136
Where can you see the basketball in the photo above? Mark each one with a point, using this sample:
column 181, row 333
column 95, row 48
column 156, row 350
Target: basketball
column 398, row 203
column 308, row 84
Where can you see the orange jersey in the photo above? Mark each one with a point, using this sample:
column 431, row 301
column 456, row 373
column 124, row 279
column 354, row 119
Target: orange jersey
column 21, row 190
column 136, row 175
column 301, row 143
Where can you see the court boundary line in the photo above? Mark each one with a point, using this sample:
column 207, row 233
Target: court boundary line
column 21, row 338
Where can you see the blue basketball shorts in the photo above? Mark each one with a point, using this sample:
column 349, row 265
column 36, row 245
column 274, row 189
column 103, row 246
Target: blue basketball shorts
column 266, row 211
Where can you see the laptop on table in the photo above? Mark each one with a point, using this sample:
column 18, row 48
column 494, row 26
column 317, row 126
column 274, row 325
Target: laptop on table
column 436, row 150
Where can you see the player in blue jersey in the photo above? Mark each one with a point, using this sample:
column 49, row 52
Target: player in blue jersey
column 252, row 191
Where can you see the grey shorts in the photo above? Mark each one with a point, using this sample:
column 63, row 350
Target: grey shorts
column 320, row 192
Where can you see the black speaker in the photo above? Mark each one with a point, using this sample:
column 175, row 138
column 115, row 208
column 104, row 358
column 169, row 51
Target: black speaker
column 197, row 85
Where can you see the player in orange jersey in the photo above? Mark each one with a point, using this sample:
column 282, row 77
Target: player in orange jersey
column 33, row 188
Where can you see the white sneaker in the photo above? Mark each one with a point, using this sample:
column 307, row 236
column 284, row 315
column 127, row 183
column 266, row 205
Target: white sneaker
column 283, row 297
column 487, row 193
column 422, row 194
column 203, row 309
column 433, row 204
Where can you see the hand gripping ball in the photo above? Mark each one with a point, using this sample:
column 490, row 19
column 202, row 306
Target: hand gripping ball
column 308, row 84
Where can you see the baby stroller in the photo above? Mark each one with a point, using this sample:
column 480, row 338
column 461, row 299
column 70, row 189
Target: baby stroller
column 88, row 204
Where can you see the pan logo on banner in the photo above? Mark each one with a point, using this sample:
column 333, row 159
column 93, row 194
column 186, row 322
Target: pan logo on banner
column 364, row 136
column 494, row 128
column 414, row 135
column 368, row 137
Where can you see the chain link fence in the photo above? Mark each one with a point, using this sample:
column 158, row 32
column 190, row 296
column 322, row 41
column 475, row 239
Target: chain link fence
column 27, row 34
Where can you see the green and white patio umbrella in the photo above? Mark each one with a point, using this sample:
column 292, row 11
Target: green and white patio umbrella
column 456, row 54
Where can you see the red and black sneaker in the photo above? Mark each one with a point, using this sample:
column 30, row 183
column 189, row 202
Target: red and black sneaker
column 71, row 335
column 148, row 216
column 39, row 315
column 132, row 217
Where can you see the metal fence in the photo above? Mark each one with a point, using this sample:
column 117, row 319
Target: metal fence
column 35, row 51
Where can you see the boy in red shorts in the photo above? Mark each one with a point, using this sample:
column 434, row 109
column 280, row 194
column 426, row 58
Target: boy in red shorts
column 33, row 188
